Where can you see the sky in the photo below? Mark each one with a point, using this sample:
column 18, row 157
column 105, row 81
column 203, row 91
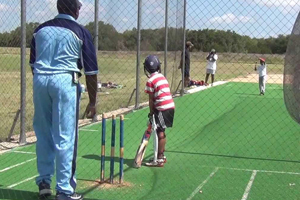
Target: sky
column 255, row 18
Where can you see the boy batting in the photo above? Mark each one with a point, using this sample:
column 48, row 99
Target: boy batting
column 161, row 113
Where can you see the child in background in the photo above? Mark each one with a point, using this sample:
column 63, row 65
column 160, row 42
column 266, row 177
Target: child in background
column 262, row 72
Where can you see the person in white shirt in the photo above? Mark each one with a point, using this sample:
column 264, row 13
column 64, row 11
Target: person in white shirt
column 262, row 72
column 211, row 67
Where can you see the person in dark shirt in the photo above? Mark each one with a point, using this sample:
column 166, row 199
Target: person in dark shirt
column 60, row 50
column 188, row 48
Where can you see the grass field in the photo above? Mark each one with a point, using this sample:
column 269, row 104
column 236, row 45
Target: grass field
column 227, row 143
column 120, row 68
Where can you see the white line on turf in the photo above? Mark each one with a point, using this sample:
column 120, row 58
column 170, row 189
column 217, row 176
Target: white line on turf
column 89, row 130
column 16, row 184
column 8, row 168
column 278, row 172
column 202, row 184
column 24, row 152
column 258, row 170
column 28, row 179
column 262, row 171
column 248, row 188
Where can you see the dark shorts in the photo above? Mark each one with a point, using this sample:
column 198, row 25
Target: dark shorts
column 164, row 119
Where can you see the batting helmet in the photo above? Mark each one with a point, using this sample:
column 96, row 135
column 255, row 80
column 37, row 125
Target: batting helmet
column 151, row 64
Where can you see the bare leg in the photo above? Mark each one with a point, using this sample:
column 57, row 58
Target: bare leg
column 206, row 78
column 161, row 144
column 212, row 79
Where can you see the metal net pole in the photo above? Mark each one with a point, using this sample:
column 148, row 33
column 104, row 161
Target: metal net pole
column 138, row 55
column 166, row 38
column 96, row 40
column 183, row 49
column 22, row 139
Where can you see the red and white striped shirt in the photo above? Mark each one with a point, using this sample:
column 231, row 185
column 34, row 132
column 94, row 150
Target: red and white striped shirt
column 158, row 85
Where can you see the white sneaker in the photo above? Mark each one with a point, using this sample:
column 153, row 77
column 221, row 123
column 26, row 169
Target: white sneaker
column 164, row 159
column 158, row 163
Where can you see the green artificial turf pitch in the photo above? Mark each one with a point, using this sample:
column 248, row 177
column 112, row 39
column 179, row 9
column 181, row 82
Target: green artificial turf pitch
column 227, row 142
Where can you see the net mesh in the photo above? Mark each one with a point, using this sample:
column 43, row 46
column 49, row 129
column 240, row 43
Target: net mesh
column 292, row 73
column 175, row 41
column 227, row 140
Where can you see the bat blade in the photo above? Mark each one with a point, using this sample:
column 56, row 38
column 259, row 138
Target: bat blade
column 140, row 153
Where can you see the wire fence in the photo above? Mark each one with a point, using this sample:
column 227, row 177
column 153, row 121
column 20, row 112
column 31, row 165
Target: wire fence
column 232, row 137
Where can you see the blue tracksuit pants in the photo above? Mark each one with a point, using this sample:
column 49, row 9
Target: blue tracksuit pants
column 56, row 106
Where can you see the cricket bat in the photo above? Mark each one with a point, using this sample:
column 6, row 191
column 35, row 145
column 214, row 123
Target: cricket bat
column 151, row 130
column 141, row 152
column 155, row 138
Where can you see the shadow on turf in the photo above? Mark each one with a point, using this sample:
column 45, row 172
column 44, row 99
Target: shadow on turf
column 237, row 157
column 128, row 162
column 25, row 195
column 28, row 195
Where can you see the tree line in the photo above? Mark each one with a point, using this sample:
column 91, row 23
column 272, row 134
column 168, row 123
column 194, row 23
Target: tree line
column 153, row 40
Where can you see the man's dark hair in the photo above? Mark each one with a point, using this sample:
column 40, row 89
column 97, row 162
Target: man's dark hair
column 67, row 6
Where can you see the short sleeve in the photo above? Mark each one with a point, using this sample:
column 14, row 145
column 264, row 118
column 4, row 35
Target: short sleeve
column 149, row 87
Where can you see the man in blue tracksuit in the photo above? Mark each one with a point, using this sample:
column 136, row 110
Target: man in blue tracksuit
column 60, row 48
